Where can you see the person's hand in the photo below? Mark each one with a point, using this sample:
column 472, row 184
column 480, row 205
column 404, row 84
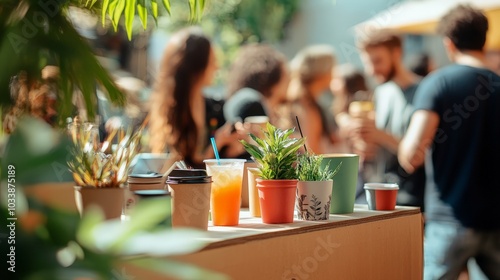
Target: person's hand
column 364, row 136
column 365, row 129
column 224, row 135
column 366, row 151
column 228, row 136
column 344, row 129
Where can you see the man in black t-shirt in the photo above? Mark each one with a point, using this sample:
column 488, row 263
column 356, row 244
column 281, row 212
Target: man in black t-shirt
column 455, row 131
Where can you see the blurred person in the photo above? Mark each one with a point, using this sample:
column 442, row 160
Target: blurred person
column 311, row 74
column 132, row 115
column 455, row 131
column 382, row 53
column 346, row 83
column 421, row 64
column 347, row 80
column 179, row 116
column 493, row 60
column 34, row 98
column 256, row 84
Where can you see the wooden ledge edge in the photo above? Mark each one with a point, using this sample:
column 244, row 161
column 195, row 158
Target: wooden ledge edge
column 311, row 228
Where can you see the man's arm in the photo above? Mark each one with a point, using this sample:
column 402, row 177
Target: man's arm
column 387, row 140
column 418, row 138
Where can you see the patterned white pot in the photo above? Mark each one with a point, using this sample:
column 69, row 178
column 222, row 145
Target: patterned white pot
column 313, row 200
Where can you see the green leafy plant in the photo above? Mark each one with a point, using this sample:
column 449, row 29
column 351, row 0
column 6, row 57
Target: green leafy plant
column 129, row 9
column 309, row 168
column 276, row 153
column 93, row 167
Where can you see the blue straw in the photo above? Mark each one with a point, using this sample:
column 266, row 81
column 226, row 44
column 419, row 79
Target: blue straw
column 216, row 152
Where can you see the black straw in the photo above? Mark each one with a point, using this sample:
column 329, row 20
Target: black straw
column 300, row 130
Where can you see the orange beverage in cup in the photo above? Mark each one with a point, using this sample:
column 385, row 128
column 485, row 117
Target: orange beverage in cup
column 225, row 198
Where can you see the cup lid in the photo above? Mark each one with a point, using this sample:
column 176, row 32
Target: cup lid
column 146, row 175
column 381, row 186
column 189, row 180
column 145, row 178
column 187, row 173
column 188, row 176
column 224, row 160
column 151, row 193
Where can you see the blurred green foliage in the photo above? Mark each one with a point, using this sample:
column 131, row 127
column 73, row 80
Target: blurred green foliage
column 115, row 10
column 233, row 23
column 55, row 243
column 35, row 33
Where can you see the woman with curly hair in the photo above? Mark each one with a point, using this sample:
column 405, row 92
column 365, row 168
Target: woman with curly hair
column 179, row 110
column 256, row 84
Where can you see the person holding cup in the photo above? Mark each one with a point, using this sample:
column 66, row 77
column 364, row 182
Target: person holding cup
column 382, row 53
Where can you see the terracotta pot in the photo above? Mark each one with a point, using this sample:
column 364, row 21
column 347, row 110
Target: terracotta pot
column 313, row 200
column 277, row 200
column 110, row 200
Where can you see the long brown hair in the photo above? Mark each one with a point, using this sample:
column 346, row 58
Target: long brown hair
column 183, row 64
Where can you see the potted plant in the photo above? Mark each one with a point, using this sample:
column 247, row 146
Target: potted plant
column 101, row 177
column 276, row 155
column 314, row 189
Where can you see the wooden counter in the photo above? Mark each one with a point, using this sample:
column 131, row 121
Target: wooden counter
column 362, row 245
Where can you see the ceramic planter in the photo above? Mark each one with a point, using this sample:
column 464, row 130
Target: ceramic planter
column 313, row 200
column 344, row 182
column 277, row 200
column 110, row 200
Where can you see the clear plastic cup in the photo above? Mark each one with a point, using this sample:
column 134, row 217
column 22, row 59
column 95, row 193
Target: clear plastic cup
column 225, row 197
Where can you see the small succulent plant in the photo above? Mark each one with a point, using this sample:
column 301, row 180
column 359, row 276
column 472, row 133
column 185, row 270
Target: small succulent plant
column 275, row 153
column 309, row 168
column 92, row 166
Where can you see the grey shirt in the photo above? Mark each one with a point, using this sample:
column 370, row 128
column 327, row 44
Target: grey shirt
column 393, row 111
